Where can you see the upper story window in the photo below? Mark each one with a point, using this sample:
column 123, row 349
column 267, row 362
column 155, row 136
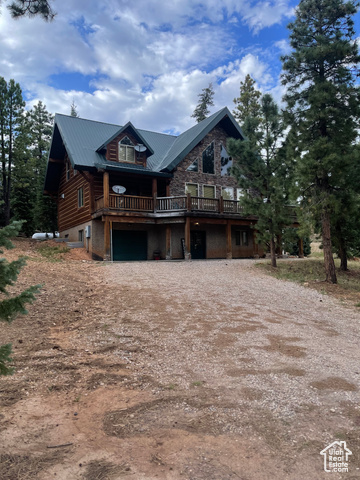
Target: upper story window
column 208, row 159
column 226, row 162
column 194, row 167
column 192, row 188
column 67, row 171
column 80, row 197
column 126, row 150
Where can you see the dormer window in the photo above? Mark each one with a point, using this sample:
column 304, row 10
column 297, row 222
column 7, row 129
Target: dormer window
column 126, row 150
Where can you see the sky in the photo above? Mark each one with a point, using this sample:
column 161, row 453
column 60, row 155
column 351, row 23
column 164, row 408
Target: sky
column 145, row 61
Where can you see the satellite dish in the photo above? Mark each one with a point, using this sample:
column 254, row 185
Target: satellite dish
column 119, row 189
column 140, row 148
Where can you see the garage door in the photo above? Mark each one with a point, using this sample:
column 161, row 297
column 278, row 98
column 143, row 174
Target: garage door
column 129, row 245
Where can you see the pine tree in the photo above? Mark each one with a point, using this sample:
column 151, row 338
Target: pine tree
column 40, row 122
column 32, row 8
column 11, row 120
column 73, row 110
column 247, row 104
column 322, row 106
column 11, row 307
column 263, row 171
column 206, row 100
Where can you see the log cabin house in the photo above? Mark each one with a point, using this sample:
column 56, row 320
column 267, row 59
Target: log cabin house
column 132, row 194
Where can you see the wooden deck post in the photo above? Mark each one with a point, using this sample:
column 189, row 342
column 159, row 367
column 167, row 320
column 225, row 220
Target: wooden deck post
column 188, row 202
column 187, row 239
column 221, row 204
column 154, row 187
column 168, row 242
column 106, row 189
column 255, row 245
column 301, row 248
column 228, row 240
column 107, row 243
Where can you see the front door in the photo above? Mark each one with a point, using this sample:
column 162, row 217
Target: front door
column 198, row 245
column 129, row 245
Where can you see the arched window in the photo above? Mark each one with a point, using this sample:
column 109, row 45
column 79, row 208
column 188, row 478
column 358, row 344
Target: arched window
column 126, row 150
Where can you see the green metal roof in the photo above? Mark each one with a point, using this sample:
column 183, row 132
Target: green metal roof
column 83, row 140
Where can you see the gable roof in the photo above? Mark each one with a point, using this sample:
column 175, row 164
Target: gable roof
column 185, row 142
column 84, row 141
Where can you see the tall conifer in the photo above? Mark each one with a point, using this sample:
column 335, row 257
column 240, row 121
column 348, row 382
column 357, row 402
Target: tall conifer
column 322, row 106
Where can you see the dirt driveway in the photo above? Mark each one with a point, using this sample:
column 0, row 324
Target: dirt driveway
column 172, row 370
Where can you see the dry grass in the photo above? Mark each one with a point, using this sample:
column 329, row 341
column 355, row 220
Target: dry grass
column 310, row 271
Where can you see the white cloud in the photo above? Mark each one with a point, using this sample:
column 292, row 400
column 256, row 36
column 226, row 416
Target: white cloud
column 148, row 61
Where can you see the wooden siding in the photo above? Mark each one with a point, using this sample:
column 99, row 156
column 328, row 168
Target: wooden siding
column 69, row 215
column 112, row 150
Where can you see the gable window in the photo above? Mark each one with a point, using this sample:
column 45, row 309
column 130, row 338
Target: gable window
column 126, row 150
column 227, row 193
column 192, row 188
column 209, row 191
column 242, row 238
column 208, row 159
column 194, row 167
column 80, row 197
column 226, row 162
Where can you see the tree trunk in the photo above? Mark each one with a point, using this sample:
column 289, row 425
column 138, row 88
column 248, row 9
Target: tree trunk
column 329, row 263
column 342, row 254
column 273, row 252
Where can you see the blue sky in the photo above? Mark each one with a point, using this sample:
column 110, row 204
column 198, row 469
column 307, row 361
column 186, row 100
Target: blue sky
column 145, row 61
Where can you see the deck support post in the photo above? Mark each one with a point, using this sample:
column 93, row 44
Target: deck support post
column 228, row 241
column 106, row 189
column 107, row 240
column 255, row 245
column 168, row 243
column 187, row 239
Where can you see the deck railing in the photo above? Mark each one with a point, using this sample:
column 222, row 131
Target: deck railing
column 179, row 203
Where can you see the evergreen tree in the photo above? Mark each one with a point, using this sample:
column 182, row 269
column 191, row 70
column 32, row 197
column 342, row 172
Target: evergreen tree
column 263, row 171
column 11, row 307
column 11, row 121
column 206, row 100
column 73, row 110
column 247, row 104
column 322, row 106
column 40, row 122
column 32, row 8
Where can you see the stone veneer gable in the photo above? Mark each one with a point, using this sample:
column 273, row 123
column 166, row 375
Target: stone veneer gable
column 181, row 176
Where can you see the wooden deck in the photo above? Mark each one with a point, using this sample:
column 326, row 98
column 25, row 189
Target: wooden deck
column 183, row 203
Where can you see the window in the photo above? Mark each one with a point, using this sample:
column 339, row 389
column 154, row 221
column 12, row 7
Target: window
column 81, row 235
column 239, row 193
column 226, row 162
column 242, row 238
column 126, row 150
column 209, row 191
column 192, row 188
column 80, row 197
column 194, row 167
column 208, row 159
column 227, row 193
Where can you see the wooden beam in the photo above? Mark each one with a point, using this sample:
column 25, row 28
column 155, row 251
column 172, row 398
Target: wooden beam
column 107, row 232
column 228, row 241
column 56, row 160
column 168, row 243
column 106, row 189
column 154, row 187
column 120, row 219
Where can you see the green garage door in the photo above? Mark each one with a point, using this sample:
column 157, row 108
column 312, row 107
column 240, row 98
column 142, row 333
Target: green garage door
column 129, row 245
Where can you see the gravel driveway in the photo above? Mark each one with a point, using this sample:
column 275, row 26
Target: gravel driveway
column 272, row 362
